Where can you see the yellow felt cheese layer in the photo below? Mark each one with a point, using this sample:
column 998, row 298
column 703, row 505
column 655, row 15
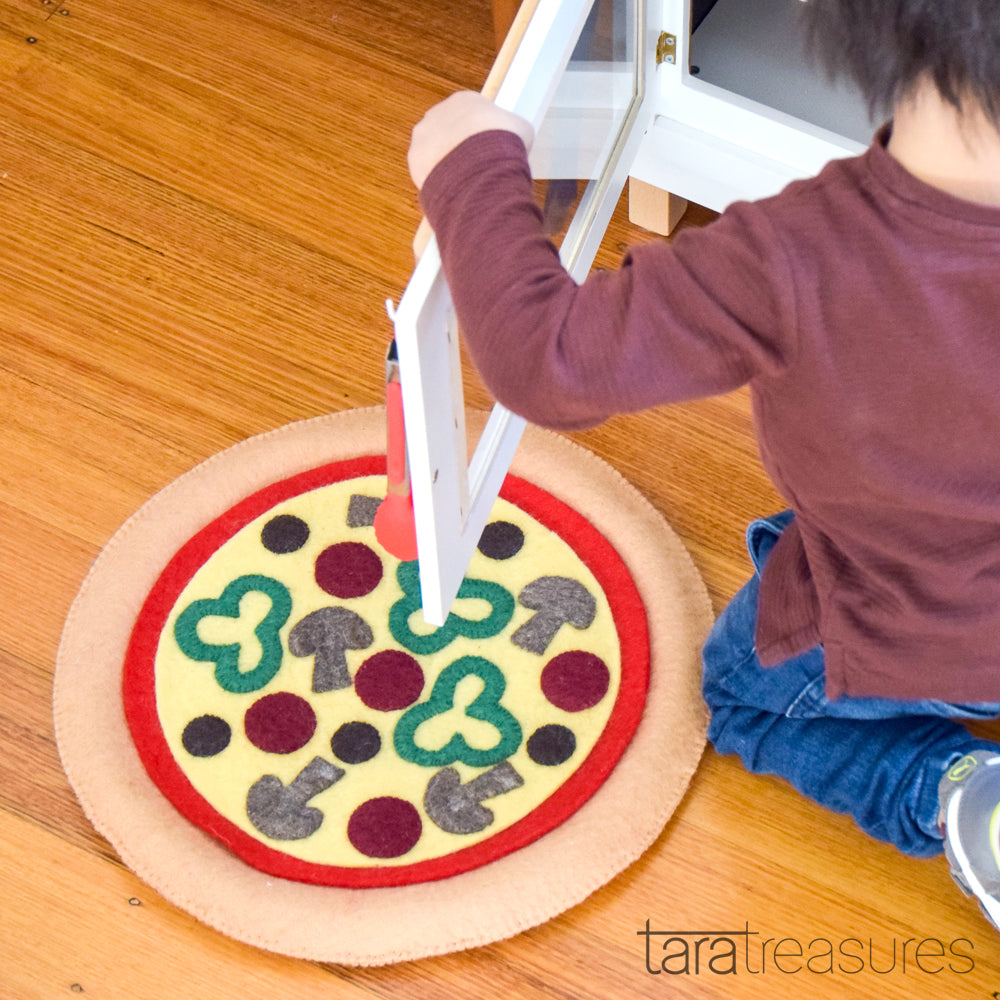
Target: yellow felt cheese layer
column 187, row 689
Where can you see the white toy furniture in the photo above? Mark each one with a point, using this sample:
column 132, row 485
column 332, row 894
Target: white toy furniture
column 710, row 102
column 739, row 108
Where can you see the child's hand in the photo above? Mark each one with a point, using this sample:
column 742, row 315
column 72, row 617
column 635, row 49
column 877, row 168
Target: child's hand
column 448, row 124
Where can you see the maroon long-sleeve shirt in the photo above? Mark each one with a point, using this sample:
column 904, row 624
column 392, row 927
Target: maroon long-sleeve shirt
column 862, row 308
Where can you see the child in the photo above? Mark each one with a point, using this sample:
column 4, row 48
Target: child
column 862, row 309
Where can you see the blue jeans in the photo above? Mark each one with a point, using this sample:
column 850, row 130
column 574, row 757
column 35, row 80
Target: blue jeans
column 878, row 759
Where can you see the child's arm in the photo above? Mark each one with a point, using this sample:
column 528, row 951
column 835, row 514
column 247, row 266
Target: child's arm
column 693, row 318
column 448, row 124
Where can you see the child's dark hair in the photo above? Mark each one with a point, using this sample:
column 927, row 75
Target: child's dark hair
column 888, row 46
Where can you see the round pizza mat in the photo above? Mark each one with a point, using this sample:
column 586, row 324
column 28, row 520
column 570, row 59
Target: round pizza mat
column 373, row 926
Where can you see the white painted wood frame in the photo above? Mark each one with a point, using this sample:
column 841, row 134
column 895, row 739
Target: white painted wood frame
column 453, row 497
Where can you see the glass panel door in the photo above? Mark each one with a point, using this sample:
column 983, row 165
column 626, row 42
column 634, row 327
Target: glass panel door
column 578, row 74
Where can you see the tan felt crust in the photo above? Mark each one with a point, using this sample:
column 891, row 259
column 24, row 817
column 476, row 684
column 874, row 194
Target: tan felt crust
column 377, row 926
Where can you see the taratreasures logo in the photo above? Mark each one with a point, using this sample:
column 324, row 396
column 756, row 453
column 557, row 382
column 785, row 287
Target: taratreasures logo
column 749, row 952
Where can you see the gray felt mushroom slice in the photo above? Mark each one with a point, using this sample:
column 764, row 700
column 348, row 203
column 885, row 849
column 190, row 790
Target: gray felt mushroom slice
column 327, row 634
column 361, row 510
column 558, row 601
column 458, row 808
column 281, row 811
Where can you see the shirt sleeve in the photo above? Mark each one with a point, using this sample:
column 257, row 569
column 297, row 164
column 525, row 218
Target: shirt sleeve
column 698, row 316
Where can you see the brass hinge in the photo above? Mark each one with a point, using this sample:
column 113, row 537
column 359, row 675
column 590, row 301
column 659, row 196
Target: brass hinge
column 666, row 48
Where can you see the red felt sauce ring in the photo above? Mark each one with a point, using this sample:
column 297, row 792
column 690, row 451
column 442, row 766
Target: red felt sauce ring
column 590, row 546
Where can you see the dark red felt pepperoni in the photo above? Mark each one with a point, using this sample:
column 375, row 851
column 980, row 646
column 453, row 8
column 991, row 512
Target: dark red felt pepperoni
column 385, row 827
column 575, row 680
column 280, row 723
column 389, row 680
column 348, row 569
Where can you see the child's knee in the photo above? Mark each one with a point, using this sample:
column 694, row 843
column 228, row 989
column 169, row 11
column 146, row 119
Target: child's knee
column 729, row 646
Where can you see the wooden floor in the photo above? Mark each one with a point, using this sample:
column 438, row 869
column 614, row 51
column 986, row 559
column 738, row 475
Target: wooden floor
column 203, row 206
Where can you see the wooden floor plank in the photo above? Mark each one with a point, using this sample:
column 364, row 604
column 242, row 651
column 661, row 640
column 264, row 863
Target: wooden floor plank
column 106, row 936
column 275, row 128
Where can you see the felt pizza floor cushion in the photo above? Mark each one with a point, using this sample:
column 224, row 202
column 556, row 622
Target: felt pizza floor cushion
column 252, row 710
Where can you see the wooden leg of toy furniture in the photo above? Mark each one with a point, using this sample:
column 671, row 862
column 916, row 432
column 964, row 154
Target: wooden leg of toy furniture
column 653, row 208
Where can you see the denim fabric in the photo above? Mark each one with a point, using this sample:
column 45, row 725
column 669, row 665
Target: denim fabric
column 878, row 759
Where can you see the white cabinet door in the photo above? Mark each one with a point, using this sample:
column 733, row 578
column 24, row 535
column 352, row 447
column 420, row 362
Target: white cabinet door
column 579, row 74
